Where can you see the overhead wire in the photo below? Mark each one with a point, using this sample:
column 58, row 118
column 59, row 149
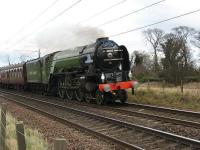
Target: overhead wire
column 46, row 23
column 128, row 14
column 34, row 19
column 135, row 11
column 103, row 11
column 159, row 22
column 61, row 13
column 121, row 33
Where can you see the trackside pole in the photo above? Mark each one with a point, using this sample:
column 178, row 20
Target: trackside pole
column 60, row 144
column 20, row 136
column 3, row 125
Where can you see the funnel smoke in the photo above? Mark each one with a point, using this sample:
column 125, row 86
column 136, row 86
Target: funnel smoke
column 67, row 36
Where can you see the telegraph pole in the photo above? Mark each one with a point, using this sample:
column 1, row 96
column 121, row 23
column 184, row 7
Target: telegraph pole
column 39, row 53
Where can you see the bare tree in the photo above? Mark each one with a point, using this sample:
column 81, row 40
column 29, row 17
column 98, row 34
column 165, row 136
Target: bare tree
column 142, row 64
column 154, row 37
column 173, row 58
column 183, row 33
column 196, row 41
column 177, row 63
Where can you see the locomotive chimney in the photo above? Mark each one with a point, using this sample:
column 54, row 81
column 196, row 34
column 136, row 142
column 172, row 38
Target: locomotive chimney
column 102, row 39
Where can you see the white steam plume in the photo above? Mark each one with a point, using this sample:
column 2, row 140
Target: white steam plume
column 67, row 36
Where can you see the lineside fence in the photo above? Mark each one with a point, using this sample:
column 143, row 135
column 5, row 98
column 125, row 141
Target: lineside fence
column 59, row 143
column 163, row 86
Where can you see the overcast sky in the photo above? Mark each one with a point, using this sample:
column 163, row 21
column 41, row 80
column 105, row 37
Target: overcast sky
column 17, row 14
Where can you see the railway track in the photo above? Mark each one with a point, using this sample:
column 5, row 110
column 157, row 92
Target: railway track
column 122, row 133
column 176, row 116
column 185, row 125
column 167, row 115
column 192, row 119
column 163, row 109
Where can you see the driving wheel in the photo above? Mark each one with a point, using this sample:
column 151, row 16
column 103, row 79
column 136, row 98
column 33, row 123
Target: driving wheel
column 61, row 90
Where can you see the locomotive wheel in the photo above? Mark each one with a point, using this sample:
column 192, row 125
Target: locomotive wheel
column 88, row 97
column 100, row 97
column 69, row 94
column 79, row 94
column 123, row 96
column 61, row 90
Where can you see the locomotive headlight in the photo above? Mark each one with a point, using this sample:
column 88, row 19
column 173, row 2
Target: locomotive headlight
column 130, row 74
column 110, row 55
column 102, row 77
column 82, row 77
column 120, row 66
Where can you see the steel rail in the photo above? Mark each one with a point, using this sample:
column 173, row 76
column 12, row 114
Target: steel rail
column 77, row 126
column 145, row 115
column 164, row 109
column 151, row 116
column 151, row 131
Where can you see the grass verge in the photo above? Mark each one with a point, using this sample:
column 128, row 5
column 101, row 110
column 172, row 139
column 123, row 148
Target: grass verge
column 168, row 97
column 34, row 139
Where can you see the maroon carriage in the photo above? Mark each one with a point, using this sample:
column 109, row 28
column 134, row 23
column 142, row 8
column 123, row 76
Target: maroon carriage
column 13, row 76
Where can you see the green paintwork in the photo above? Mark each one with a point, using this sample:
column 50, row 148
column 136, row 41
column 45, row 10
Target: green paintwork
column 46, row 66
column 34, row 71
column 64, row 60
column 38, row 70
column 61, row 66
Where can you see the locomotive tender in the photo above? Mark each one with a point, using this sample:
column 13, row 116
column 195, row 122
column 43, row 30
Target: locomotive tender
column 96, row 72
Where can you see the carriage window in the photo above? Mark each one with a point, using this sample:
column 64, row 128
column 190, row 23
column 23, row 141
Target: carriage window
column 19, row 72
column 13, row 72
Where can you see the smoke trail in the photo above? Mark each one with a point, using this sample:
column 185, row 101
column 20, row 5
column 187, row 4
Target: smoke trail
column 67, row 36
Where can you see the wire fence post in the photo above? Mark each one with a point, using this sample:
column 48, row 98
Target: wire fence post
column 181, row 86
column 3, row 125
column 163, row 85
column 148, row 86
column 60, row 144
column 20, row 136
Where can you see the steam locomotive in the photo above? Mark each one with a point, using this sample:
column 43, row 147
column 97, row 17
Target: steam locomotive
column 97, row 72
